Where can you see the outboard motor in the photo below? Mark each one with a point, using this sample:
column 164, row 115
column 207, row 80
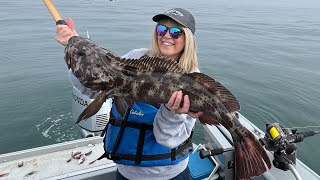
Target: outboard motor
column 94, row 125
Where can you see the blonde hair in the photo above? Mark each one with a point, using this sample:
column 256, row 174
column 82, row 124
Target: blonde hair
column 188, row 59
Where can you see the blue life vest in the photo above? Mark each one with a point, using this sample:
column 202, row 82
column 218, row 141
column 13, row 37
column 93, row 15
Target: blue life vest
column 129, row 140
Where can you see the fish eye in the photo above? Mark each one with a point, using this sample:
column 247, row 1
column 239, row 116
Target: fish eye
column 81, row 53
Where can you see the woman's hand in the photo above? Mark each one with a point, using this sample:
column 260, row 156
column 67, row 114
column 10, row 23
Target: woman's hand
column 174, row 105
column 64, row 33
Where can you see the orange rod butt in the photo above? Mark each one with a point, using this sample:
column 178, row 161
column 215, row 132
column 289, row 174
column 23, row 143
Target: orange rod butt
column 52, row 9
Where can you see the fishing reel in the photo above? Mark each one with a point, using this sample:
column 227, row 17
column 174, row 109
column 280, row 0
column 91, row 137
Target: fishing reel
column 282, row 142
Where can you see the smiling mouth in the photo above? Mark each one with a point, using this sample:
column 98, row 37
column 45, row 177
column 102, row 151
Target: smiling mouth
column 167, row 43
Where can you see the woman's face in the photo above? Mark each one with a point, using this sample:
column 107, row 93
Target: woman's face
column 171, row 47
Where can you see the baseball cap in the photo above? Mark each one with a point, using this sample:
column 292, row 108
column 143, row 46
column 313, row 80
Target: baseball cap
column 179, row 15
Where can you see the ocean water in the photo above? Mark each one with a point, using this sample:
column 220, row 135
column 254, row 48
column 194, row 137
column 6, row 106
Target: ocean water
column 265, row 52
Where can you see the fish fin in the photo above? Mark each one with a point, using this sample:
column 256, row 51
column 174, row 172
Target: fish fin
column 93, row 107
column 147, row 63
column 109, row 52
column 214, row 87
column 205, row 119
column 120, row 105
column 4, row 174
column 129, row 102
column 251, row 158
column 144, row 63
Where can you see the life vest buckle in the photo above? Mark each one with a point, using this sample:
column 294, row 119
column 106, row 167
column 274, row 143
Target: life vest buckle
column 113, row 156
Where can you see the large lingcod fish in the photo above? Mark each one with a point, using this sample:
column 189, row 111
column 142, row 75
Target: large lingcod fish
column 153, row 80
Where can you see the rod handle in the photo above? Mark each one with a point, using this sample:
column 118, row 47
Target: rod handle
column 212, row 152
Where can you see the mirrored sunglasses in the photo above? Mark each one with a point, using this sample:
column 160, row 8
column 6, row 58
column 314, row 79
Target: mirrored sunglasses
column 174, row 32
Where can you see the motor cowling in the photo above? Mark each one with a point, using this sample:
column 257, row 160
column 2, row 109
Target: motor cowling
column 94, row 125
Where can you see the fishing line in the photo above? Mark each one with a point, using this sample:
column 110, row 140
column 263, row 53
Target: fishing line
column 88, row 34
column 303, row 127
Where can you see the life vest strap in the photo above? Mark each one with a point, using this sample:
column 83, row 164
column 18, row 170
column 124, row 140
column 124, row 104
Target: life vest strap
column 130, row 124
column 142, row 135
column 123, row 125
column 173, row 154
column 181, row 151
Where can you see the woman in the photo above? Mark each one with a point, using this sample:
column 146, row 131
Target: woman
column 162, row 152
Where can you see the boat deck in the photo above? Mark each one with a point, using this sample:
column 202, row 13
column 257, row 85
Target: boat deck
column 50, row 162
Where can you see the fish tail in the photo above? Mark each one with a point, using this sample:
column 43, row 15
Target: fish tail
column 250, row 157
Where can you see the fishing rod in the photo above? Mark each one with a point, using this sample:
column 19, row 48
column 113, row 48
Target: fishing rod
column 276, row 138
column 303, row 127
column 279, row 140
column 282, row 142
column 60, row 21
column 54, row 13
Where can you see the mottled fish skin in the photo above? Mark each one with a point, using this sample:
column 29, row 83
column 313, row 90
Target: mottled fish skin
column 100, row 69
column 153, row 80
column 87, row 70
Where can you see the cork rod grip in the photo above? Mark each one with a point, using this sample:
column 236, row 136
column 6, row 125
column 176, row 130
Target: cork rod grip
column 54, row 12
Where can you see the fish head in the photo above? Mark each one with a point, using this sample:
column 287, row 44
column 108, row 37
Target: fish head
column 88, row 62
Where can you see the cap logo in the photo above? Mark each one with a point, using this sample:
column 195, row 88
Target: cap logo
column 174, row 12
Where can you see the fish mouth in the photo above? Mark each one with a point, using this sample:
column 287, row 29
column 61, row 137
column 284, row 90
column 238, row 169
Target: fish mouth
column 68, row 49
